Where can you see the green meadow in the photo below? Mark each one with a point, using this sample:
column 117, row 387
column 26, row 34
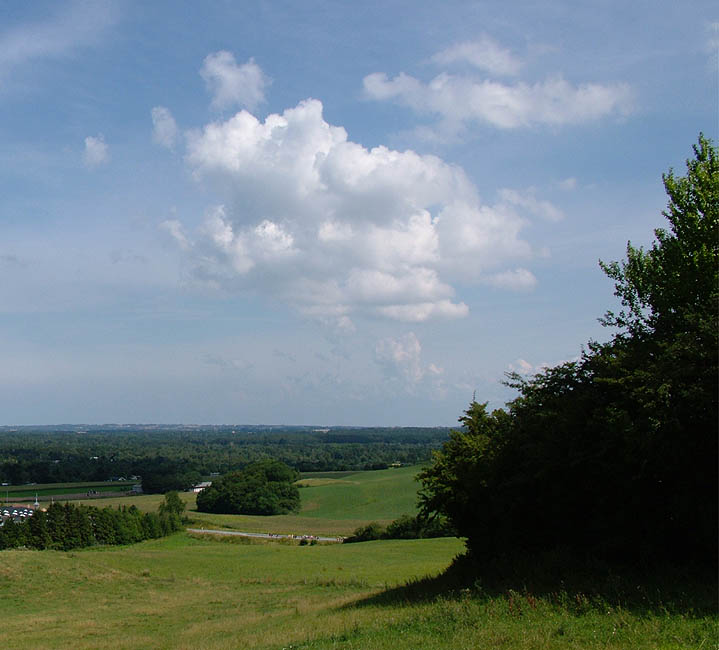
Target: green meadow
column 333, row 503
column 202, row 591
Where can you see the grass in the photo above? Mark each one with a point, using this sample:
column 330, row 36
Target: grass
column 381, row 495
column 185, row 592
column 335, row 503
column 190, row 591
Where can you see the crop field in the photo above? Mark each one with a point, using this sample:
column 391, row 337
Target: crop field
column 46, row 490
column 203, row 591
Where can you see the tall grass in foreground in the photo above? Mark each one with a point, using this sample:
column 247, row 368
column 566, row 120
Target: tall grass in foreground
column 184, row 592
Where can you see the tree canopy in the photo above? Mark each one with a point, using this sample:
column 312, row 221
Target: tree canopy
column 615, row 454
column 266, row 487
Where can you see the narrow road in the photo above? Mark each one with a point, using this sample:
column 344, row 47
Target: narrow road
column 265, row 535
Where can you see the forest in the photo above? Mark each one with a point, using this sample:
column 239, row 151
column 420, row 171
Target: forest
column 175, row 457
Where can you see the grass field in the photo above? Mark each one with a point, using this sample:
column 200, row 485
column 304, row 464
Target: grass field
column 184, row 592
column 196, row 592
column 333, row 504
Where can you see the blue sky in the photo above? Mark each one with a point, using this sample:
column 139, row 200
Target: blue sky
column 325, row 212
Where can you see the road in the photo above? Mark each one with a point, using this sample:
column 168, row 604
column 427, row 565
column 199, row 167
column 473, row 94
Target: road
column 264, row 535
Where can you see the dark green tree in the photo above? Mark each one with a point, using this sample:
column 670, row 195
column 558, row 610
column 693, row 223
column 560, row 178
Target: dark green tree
column 38, row 533
column 266, row 487
column 172, row 504
column 615, row 454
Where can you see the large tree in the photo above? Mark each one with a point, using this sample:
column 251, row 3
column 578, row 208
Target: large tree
column 266, row 487
column 614, row 454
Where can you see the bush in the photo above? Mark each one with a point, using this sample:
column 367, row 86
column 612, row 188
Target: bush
column 406, row 527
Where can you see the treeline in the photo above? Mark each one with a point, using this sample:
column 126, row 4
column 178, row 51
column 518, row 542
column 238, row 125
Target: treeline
column 66, row 526
column 51, row 455
column 613, row 456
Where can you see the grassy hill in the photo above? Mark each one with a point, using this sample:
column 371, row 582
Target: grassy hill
column 187, row 592
column 190, row 591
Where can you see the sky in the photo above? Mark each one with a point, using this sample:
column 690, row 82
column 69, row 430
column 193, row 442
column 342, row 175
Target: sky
column 325, row 213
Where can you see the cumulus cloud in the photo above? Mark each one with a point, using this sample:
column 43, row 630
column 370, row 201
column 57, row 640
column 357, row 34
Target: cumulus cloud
column 164, row 127
column 485, row 54
column 459, row 100
column 401, row 362
column 336, row 230
column 233, row 85
column 96, row 151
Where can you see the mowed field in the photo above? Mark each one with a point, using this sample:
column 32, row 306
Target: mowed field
column 333, row 503
column 202, row 591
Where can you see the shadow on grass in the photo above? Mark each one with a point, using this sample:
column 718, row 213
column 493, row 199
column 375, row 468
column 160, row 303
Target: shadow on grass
column 578, row 586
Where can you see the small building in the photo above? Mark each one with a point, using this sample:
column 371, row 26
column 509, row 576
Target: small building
column 201, row 486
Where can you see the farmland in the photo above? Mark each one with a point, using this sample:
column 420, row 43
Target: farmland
column 47, row 491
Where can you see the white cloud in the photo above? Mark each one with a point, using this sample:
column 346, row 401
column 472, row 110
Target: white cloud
column 568, row 184
column 485, row 54
column 177, row 232
column 531, row 203
column 96, row 151
column 461, row 100
column 164, row 127
column 401, row 357
column 79, row 24
column 515, row 280
column 523, row 367
column 401, row 362
column 338, row 230
column 233, row 85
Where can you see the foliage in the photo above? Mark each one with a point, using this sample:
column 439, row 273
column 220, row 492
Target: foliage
column 164, row 457
column 67, row 526
column 161, row 475
column 405, row 527
column 262, row 488
column 172, row 504
column 613, row 455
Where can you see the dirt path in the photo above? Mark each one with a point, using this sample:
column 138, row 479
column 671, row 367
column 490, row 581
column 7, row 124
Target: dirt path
column 208, row 531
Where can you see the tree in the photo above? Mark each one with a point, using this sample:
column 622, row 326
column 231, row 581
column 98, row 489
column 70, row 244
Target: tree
column 666, row 352
column 161, row 475
column 456, row 484
column 266, row 487
column 615, row 454
column 172, row 504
